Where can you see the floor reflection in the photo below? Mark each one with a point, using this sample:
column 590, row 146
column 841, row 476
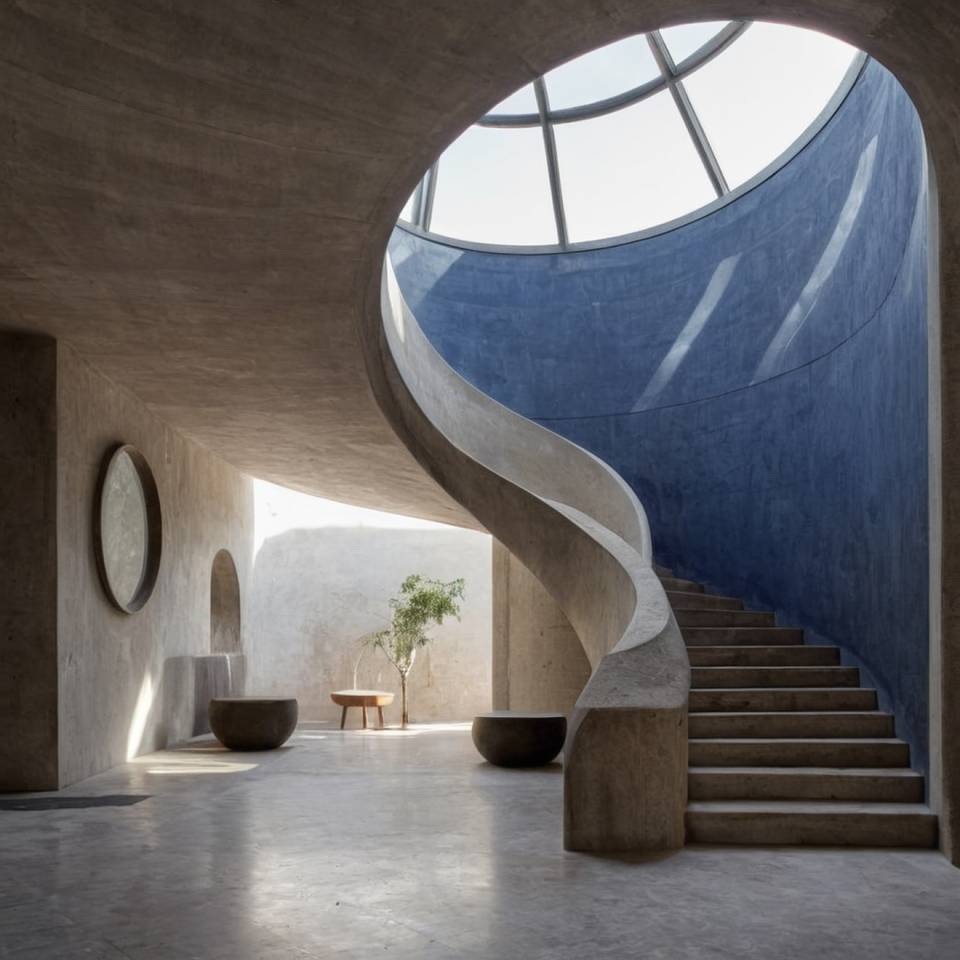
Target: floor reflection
column 356, row 844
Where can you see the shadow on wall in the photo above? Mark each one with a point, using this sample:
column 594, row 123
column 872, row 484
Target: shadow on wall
column 172, row 708
column 317, row 591
column 158, row 717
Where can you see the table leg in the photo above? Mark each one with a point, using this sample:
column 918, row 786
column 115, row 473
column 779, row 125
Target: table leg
column 364, row 709
column 343, row 716
column 380, row 716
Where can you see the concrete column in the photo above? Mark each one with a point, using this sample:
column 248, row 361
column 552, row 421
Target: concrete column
column 28, row 562
column 944, row 433
column 538, row 660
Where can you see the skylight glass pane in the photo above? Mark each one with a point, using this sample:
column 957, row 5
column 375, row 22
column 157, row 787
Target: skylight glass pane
column 523, row 101
column 690, row 37
column 603, row 73
column 758, row 96
column 492, row 187
column 629, row 170
column 407, row 212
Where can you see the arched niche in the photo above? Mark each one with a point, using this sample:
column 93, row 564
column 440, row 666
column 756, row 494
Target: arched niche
column 225, row 636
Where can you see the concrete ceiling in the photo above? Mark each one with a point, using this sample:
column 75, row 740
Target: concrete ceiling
column 196, row 195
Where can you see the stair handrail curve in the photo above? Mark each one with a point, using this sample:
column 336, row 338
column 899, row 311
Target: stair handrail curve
column 581, row 530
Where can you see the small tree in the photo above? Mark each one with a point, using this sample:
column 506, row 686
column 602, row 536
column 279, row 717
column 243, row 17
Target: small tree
column 421, row 602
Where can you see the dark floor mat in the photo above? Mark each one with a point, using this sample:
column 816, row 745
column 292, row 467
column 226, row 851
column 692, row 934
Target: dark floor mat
column 70, row 803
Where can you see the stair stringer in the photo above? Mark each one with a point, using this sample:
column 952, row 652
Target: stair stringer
column 582, row 532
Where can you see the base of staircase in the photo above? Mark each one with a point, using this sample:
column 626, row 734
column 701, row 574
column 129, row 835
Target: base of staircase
column 786, row 748
column 826, row 784
column 812, row 823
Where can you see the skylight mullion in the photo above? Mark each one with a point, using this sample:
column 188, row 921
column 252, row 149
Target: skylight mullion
column 553, row 169
column 429, row 191
column 416, row 212
column 690, row 119
column 700, row 139
column 598, row 108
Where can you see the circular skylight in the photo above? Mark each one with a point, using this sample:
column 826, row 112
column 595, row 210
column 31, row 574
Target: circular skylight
column 634, row 135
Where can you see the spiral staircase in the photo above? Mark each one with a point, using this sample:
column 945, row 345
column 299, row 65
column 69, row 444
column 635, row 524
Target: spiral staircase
column 578, row 527
column 784, row 746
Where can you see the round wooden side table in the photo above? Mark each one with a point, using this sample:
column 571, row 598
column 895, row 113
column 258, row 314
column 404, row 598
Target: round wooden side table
column 362, row 699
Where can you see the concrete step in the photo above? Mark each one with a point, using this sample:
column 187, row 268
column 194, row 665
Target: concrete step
column 811, row 822
column 748, row 699
column 741, row 636
column 795, row 655
column 891, row 785
column 702, row 601
column 684, row 586
column 722, row 618
column 782, row 752
column 813, row 724
column 715, row 677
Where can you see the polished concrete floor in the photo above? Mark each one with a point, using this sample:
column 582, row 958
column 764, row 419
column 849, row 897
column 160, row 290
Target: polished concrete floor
column 368, row 844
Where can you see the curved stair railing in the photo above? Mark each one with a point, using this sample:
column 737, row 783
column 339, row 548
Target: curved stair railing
column 580, row 529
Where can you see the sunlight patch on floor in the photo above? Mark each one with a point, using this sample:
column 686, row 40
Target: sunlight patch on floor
column 184, row 763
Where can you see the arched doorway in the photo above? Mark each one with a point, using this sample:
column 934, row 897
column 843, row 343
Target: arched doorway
column 225, row 634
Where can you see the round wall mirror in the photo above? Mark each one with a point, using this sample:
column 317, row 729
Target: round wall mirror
column 127, row 529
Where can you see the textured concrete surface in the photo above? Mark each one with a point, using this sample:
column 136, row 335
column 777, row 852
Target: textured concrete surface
column 350, row 845
column 320, row 585
column 759, row 377
column 187, row 198
column 132, row 683
column 253, row 723
column 185, row 256
column 802, row 778
column 910, row 45
column 538, row 660
column 519, row 738
column 128, row 681
column 577, row 526
column 28, row 559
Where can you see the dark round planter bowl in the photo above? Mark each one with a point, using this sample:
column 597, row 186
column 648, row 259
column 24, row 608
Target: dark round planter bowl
column 507, row 738
column 253, row 723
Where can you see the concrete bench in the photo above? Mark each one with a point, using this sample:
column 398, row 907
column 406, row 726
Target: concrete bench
column 253, row 723
column 509, row 738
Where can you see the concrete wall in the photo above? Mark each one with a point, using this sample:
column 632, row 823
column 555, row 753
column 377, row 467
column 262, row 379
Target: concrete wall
column 127, row 682
column 28, row 551
column 758, row 376
column 322, row 579
column 84, row 686
column 538, row 660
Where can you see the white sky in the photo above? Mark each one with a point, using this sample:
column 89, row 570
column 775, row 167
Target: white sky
column 637, row 167
column 278, row 509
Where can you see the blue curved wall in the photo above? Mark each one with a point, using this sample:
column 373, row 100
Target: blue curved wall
column 759, row 376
